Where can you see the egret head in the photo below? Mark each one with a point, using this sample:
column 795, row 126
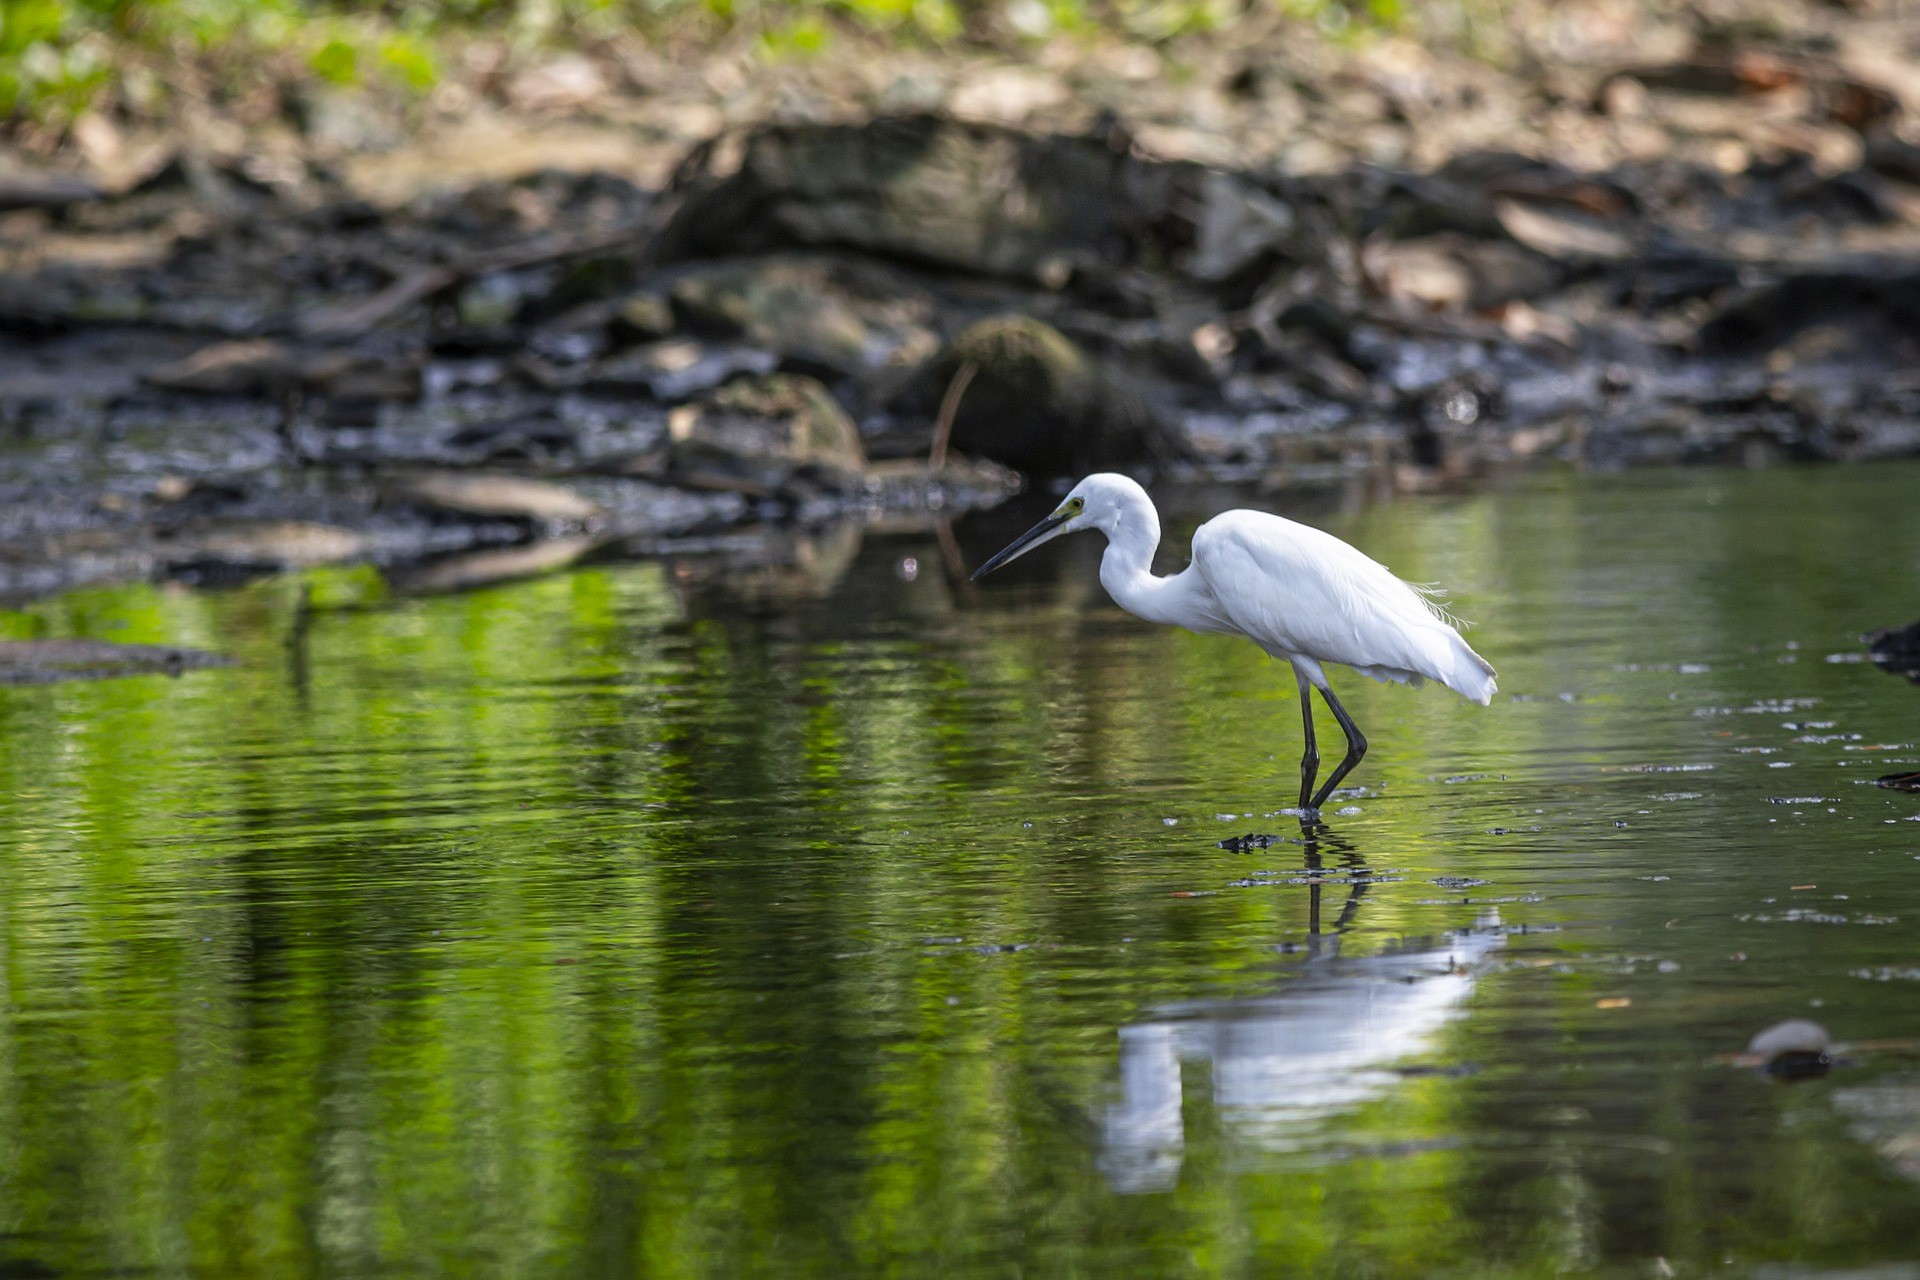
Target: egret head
column 1100, row 501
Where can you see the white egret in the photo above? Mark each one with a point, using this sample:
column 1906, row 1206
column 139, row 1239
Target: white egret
column 1299, row 593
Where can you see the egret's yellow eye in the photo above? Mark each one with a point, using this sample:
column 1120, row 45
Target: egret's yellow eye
column 1071, row 507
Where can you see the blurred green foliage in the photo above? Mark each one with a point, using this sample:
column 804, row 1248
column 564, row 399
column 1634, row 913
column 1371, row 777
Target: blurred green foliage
column 56, row 55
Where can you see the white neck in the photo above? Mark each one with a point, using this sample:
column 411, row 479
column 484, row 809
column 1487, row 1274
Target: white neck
column 1126, row 570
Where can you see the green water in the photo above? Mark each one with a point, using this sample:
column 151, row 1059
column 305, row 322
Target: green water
column 847, row 923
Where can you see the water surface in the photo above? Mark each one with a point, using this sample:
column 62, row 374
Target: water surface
column 846, row 920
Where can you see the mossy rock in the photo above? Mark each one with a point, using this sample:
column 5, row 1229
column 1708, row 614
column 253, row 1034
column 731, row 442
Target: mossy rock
column 1038, row 402
column 757, row 435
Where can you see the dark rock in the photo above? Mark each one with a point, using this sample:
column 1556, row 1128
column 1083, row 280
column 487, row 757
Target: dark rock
column 1892, row 156
column 28, row 190
column 757, row 435
column 1896, row 649
column 45, row 661
column 1761, row 317
column 1039, row 403
column 966, row 196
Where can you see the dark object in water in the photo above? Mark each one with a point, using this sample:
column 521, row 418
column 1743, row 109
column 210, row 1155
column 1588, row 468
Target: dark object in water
column 45, row 661
column 1896, row 650
column 1247, row 843
column 1797, row 1049
column 1900, row 781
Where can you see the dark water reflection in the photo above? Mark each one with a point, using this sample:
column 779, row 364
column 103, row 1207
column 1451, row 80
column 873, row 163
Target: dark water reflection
column 837, row 919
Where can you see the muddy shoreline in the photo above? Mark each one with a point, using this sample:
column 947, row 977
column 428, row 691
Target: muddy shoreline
column 224, row 367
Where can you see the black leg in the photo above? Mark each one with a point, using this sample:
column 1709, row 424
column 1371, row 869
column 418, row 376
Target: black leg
column 1310, row 759
column 1356, row 748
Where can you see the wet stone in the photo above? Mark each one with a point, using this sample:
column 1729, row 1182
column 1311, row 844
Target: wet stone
column 1792, row 1050
column 1896, row 649
column 757, row 435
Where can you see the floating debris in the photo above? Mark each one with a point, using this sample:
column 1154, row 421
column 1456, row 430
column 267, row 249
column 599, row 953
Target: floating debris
column 47, row 661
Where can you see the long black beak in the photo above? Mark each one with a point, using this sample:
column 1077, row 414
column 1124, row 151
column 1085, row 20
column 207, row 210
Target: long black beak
column 1022, row 544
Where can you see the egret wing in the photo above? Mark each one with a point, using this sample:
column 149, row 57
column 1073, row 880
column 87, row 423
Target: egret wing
column 1294, row 589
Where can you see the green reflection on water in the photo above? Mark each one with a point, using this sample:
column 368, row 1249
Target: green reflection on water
column 613, row 923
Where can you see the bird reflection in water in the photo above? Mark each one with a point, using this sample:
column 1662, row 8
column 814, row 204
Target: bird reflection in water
column 1282, row 1063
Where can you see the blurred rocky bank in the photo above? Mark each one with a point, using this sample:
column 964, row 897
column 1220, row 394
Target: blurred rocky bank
column 602, row 305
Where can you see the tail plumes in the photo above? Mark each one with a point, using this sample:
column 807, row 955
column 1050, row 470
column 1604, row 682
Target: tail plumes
column 1468, row 674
